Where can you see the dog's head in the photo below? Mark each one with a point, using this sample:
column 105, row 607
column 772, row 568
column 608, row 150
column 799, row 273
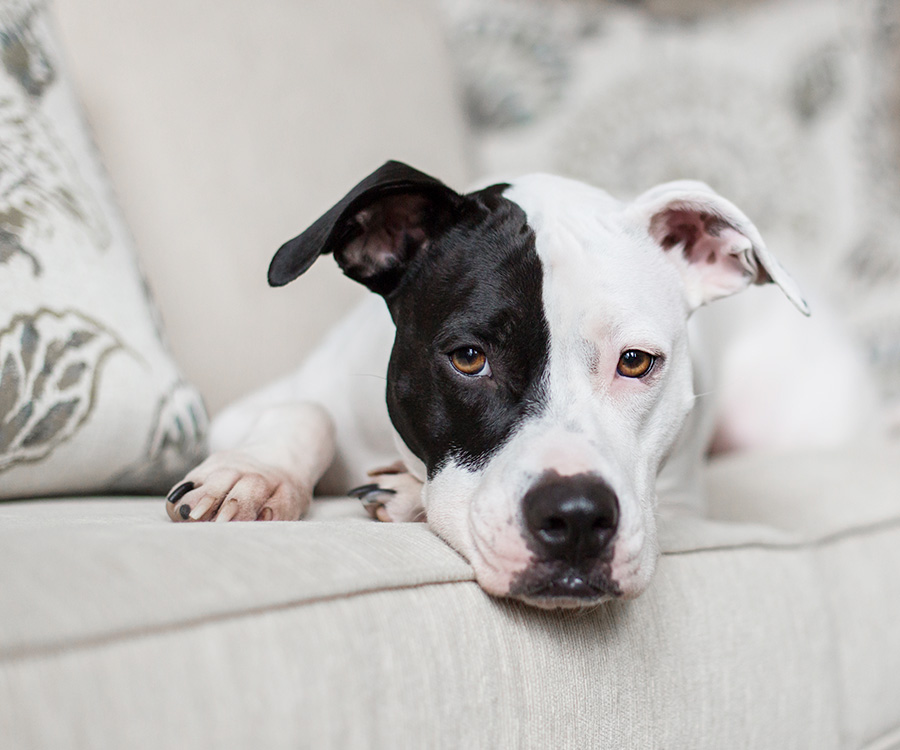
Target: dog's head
column 540, row 368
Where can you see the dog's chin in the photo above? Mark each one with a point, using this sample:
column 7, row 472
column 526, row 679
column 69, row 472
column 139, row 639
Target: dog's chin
column 565, row 602
column 564, row 590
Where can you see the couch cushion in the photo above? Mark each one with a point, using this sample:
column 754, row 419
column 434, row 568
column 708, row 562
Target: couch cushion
column 228, row 127
column 90, row 399
column 340, row 632
column 850, row 518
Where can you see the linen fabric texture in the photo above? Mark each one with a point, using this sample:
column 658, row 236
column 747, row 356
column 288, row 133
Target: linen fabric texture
column 770, row 625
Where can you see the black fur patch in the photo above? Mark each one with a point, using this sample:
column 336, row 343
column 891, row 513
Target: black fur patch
column 478, row 284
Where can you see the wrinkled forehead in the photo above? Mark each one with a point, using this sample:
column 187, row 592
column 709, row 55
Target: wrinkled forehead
column 600, row 267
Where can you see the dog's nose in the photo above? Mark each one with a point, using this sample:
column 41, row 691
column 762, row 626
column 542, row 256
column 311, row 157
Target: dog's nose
column 571, row 518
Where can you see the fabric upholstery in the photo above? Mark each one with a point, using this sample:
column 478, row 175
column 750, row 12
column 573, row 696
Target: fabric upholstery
column 90, row 398
column 228, row 128
column 857, row 571
column 766, row 626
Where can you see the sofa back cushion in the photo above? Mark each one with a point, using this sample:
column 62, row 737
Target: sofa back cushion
column 229, row 127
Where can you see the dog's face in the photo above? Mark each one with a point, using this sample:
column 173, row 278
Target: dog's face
column 540, row 368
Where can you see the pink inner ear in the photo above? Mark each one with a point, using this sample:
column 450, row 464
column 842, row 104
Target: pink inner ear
column 699, row 234
column 718, row 255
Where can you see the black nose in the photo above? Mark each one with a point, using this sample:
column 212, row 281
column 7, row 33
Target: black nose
column 571, row 518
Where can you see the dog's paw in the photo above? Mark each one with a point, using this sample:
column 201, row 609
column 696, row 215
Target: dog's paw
column 396, row 495
column 232, row 486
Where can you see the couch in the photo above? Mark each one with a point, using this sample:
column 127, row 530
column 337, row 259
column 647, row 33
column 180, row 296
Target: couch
column 226, row 128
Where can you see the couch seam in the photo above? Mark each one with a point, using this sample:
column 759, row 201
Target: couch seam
column 801, row 544
column 122, row 635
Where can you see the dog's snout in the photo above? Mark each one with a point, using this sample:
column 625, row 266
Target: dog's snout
column 571, row 518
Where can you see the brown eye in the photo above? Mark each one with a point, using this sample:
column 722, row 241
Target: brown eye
column 635, row 364
column 470, row 361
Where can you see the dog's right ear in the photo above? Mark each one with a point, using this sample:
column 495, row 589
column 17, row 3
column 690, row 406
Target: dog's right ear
column 375, row 230
column 715, row 247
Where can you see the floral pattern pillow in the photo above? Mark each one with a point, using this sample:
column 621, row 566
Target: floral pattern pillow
column 791, row 109
column 90, row 399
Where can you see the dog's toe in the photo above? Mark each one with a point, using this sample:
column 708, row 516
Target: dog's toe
column 179, row 503
column 396, row 497
column 201, row 495
column 233, row 487
column 363, row 491
column 179, row 492
column 374, row 500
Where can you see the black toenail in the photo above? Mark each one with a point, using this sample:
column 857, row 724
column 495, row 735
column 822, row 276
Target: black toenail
column 180, row 491
column 184, row 511
column 378, row 494
column 364, row 489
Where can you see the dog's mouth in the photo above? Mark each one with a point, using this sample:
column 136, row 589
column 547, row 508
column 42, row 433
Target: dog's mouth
column 550, row 585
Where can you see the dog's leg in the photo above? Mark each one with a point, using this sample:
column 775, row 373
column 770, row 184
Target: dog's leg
column 790, row 383
column 269, row 475
column 394, row 495
column 273, row 446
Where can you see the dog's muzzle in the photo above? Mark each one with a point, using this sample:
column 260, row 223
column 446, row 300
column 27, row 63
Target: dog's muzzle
column 570, row 523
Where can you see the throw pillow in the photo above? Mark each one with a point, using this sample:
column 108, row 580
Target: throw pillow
column 788, row 108
column 90, row 400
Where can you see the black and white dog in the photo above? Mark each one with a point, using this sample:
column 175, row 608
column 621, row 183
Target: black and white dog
column 542, row 386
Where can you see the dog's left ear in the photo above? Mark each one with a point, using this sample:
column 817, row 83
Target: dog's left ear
column 717, row 249
column 375, row 230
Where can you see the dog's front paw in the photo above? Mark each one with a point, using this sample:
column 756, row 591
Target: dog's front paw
column 233, row 486
column 396, row 495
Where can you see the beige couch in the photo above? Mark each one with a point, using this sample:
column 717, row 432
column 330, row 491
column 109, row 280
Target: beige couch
column 226, row 128
column 772, row 626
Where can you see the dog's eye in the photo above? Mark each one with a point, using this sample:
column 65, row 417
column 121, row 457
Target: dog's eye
column 470, row 361
column 635, row 364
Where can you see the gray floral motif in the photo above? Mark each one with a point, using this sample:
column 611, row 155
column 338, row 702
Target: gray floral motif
column 818, row 81
column 177, row 439
column 872, row 267
column 723, row 127
column 21, row 53
column 690, row 11
column 513, row 56
column 50, row 364
column 41, row 192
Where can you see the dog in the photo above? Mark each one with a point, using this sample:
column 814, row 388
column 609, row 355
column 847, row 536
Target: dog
column 546, row 380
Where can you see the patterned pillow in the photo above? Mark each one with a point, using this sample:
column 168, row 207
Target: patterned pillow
column 791, row 109
column 90, row 399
